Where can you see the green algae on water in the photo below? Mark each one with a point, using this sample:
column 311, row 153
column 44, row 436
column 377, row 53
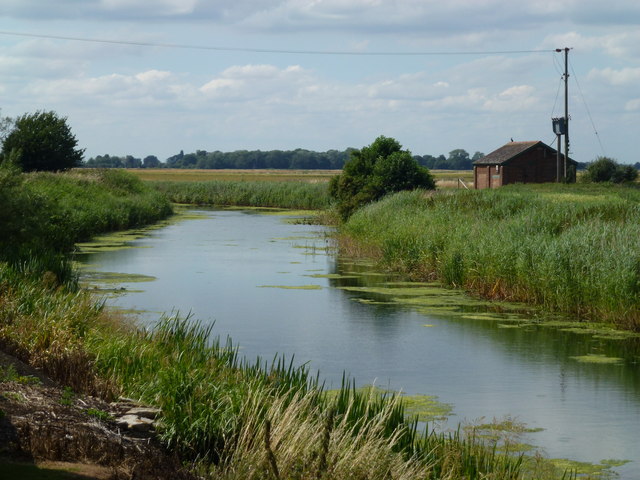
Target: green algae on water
column 293, row 287
column 424, row 408
column 116, row 278
column 598, row 358
column 331, row 276
column 592, row 470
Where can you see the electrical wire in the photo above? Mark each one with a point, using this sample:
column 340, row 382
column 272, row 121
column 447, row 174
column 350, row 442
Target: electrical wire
column 265, row 50
column 595, row 131
column 555, row 102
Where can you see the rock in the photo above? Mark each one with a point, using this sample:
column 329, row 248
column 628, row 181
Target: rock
column 145, row 412
column 134, row 423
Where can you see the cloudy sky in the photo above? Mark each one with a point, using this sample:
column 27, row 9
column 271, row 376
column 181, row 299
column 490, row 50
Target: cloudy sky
column 225, row 75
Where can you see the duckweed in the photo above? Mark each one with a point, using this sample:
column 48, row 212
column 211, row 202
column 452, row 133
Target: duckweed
column 293, row 287
column 597, row 358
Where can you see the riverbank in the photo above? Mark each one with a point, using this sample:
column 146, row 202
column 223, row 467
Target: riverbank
column 48, row 430
column 214, row 405
column 568, row 248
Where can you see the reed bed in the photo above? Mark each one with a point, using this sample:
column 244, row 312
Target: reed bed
column 572, row 249
column 44, row 214
column 228, row 417
column 294, row 195
column 90, row 201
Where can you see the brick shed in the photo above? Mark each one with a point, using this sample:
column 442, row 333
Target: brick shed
column 518, row 162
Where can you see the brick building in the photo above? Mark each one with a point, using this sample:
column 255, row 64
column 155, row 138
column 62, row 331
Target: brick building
column 519, row 162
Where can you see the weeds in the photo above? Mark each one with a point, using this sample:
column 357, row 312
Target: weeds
column 98, row 414
column 67, row 397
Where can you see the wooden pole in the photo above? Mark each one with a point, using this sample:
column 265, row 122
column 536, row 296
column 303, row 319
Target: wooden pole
column 566, row 110
column 558, row 161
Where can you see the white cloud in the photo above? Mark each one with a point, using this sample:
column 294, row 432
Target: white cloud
column 622, row 77
column 515, row 99
column 160, row 7
column 633, row 105
column 623, row 45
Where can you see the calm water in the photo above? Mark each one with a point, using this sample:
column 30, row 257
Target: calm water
column 231, row 267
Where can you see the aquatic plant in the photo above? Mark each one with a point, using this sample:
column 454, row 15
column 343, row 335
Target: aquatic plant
column 569, row 248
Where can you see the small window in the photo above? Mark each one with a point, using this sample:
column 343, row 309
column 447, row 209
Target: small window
column 497, row 168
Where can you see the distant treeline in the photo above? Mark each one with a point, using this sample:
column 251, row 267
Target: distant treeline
column 299, row 159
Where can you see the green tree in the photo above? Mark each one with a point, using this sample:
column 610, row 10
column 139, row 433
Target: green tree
column 459, row 160
column 42, row 141
column 374, row 171
column 151, row 161
column 605, row 169
column 5, row 127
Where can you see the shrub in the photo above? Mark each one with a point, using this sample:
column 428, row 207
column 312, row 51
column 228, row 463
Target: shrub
column 605, row 169
column 42, row 141
column 373, row 172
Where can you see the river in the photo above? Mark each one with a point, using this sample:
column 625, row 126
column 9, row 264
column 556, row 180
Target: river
column 276, row 287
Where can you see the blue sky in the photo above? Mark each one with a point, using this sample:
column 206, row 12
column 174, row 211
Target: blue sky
column 154, row 100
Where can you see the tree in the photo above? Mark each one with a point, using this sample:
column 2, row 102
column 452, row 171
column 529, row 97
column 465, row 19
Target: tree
column 5, row 127
column 42, row 141
column 459, row 160
column 374, row 171
column 151, row 161
column 476, row 156
column 605, row 169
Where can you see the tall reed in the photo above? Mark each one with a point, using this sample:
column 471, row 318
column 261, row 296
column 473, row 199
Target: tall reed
column 572, row 248
column 298, row 195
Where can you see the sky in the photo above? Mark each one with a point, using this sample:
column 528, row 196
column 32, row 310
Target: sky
column 140, row 77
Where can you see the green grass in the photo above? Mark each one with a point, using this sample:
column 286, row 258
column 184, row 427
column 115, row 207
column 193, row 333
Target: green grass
column 217, row 407
column 570, row 248
column 44, row 214
column 292, row 195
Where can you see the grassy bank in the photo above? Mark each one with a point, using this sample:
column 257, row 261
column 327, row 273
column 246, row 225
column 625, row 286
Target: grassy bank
column 279, row 194
column 44, row 214
column 569, row 248
column 232, row 419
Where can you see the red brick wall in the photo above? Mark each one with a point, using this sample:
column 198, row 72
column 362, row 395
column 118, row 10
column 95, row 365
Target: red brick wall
column 535, row 166
column 486, row 176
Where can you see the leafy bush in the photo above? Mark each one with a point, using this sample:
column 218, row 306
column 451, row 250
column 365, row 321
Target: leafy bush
column 42, row 141
column 605, row 169
column 373, row 172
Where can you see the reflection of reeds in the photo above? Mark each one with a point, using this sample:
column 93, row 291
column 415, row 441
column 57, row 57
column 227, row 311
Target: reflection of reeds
column 570, row 248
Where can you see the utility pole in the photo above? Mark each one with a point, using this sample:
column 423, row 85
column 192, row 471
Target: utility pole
column 566, row 107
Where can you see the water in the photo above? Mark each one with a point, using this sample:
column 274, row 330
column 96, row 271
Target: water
column 264, row 282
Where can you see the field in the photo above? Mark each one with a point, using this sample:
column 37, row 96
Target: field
column 444, row 178
column 189, row 175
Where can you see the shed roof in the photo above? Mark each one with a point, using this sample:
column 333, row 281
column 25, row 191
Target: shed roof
column 510, row 151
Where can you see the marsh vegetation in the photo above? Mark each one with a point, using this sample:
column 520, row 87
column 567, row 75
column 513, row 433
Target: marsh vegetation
column 569, row 248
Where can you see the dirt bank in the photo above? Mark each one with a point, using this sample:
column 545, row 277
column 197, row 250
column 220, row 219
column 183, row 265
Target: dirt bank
column 42, row 423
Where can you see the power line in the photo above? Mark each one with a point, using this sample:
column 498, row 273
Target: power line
column 555, row 102
column 584, row 101
column 266, row 50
